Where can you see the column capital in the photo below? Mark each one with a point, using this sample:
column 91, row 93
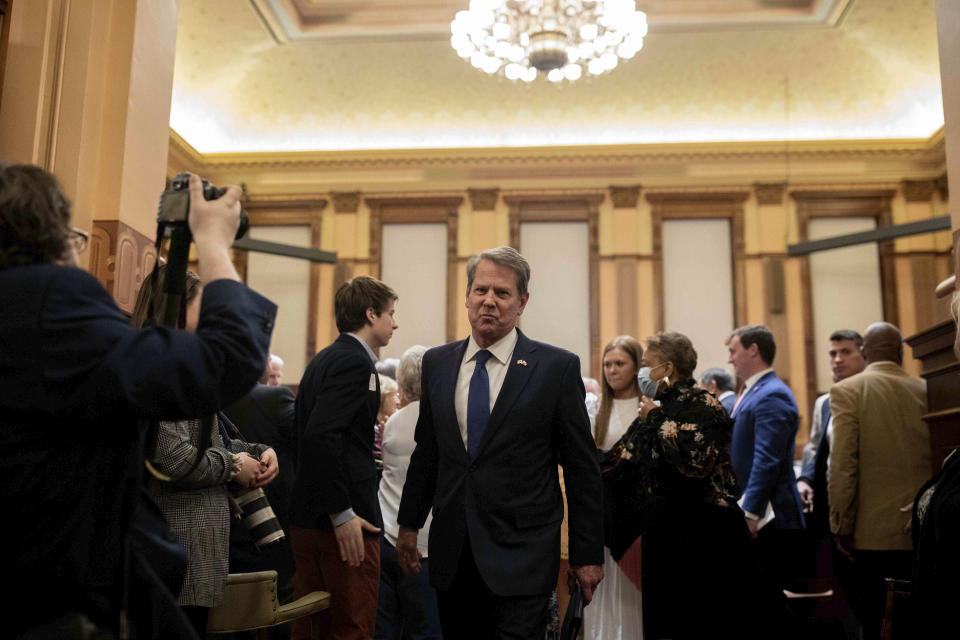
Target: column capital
column 918, row 190
column 769, row 192
column 625, row 197
column 483, row 199
column 345, row 201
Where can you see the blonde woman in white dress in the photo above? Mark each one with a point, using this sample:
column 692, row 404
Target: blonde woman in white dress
column 615, row 612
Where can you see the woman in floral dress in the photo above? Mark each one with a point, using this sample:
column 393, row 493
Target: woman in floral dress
column 671, row 496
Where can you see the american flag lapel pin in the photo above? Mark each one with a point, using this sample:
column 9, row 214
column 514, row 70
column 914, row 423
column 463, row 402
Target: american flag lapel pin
column 522, row 363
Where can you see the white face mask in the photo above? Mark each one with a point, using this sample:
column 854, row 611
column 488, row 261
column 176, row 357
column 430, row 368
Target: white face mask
column 648, row 386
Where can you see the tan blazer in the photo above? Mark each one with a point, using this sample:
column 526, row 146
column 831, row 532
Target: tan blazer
column 880, row 454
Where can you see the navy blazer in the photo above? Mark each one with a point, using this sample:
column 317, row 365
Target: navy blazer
column 507, row 499
column 762, row 451
column 336, row 411
column 76, row 377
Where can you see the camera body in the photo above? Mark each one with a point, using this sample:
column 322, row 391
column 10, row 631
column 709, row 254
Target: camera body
column 174, row 206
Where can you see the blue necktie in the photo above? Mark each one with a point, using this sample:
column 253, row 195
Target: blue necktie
column 478, row 402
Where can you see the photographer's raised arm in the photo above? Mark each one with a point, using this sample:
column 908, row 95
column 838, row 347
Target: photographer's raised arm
column 214, row 226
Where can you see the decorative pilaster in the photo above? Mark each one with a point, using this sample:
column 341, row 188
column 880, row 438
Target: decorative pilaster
column 625, row 197
column 769, row 193
column 483, row 199
column 918, row 190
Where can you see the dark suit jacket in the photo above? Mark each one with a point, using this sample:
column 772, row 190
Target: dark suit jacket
column 765, row 426
column 336, row 411
column 76, row 377
column 507, row 499
column 265, row 415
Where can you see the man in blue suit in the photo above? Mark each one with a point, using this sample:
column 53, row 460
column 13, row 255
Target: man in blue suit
column 498, row 411
column 762, row 450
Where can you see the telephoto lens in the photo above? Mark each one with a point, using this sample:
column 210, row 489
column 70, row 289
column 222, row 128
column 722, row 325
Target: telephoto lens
column 258, row 516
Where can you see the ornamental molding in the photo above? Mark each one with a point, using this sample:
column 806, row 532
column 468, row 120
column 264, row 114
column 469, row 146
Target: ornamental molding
column 929, row 152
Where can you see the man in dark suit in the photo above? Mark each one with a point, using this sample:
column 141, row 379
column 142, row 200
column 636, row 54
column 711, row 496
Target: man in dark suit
column 497, row 413
column 265, row 415
column 762, row 450
column 77, row 377
column 336, row 513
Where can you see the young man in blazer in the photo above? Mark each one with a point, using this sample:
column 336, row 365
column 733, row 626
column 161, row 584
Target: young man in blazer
column 497, row 413
column 762, row 451
column 336, row 515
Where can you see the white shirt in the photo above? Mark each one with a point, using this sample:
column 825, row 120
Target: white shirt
column 397, row 446
column 622, row 414
column 497, row 365
column 725, row 394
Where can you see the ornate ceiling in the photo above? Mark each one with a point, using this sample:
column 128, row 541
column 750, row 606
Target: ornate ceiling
column 288, row 75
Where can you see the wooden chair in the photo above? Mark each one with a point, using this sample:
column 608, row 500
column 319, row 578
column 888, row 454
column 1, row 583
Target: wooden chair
column 897, row 614
column 251, row 602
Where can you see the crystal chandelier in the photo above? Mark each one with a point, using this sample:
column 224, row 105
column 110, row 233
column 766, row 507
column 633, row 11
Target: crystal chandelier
column 524, row 39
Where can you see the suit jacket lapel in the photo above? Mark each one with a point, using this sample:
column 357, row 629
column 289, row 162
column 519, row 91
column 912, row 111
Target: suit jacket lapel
column 754, row 391
column 519, row 369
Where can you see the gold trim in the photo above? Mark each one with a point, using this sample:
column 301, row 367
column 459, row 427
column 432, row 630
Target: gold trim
column 925, row 149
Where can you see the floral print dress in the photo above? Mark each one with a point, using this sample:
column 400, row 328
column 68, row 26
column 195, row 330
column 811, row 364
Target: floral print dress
column 671, row 514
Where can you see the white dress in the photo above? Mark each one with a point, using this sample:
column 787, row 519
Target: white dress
column 616, row 611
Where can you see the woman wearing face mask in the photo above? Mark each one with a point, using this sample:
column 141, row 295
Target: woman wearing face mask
column 672, row 494
column 615, row 610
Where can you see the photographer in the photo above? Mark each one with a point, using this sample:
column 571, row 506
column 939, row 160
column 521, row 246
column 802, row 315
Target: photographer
column 76, row 381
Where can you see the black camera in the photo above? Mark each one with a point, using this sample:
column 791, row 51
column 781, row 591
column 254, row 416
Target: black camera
column 175, row 203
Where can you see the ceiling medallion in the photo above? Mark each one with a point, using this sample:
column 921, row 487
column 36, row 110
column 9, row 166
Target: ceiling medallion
column 559, row 39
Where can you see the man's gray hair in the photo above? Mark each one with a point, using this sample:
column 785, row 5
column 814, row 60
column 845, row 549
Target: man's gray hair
column 505, row 257
column 408, row 372
column 722, row 377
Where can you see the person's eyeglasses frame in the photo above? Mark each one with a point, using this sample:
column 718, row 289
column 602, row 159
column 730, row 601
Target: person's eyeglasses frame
column 79, row 239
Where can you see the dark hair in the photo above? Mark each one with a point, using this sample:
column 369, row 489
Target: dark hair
column 34, row 216
column 632, row 347
column 149, row 306
column 721, row 377
column 505, row 257
column 759, row 335
column 355, row 296
column 847, row 334
column 676, row 348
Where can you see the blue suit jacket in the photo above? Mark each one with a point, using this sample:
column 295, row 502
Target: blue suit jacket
column 765, row 426
column 507, row 498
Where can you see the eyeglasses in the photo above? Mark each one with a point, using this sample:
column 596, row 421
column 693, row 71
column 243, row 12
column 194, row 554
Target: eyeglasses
column 78, row 238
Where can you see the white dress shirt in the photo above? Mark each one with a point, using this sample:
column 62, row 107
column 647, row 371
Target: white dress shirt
column 397, row 446
column 497, row 365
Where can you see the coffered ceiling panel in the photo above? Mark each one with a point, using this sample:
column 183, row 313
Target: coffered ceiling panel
column 866, row 69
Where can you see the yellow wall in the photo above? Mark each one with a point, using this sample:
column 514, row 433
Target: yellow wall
column 626, row 251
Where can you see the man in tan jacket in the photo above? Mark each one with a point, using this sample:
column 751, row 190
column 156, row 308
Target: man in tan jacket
column 879, row 460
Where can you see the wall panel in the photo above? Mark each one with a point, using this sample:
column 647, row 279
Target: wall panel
column 414, row 263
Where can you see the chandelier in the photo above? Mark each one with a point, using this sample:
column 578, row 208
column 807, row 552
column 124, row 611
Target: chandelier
column 562, row 39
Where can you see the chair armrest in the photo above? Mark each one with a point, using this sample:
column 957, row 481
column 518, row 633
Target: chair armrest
column 310, row 603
